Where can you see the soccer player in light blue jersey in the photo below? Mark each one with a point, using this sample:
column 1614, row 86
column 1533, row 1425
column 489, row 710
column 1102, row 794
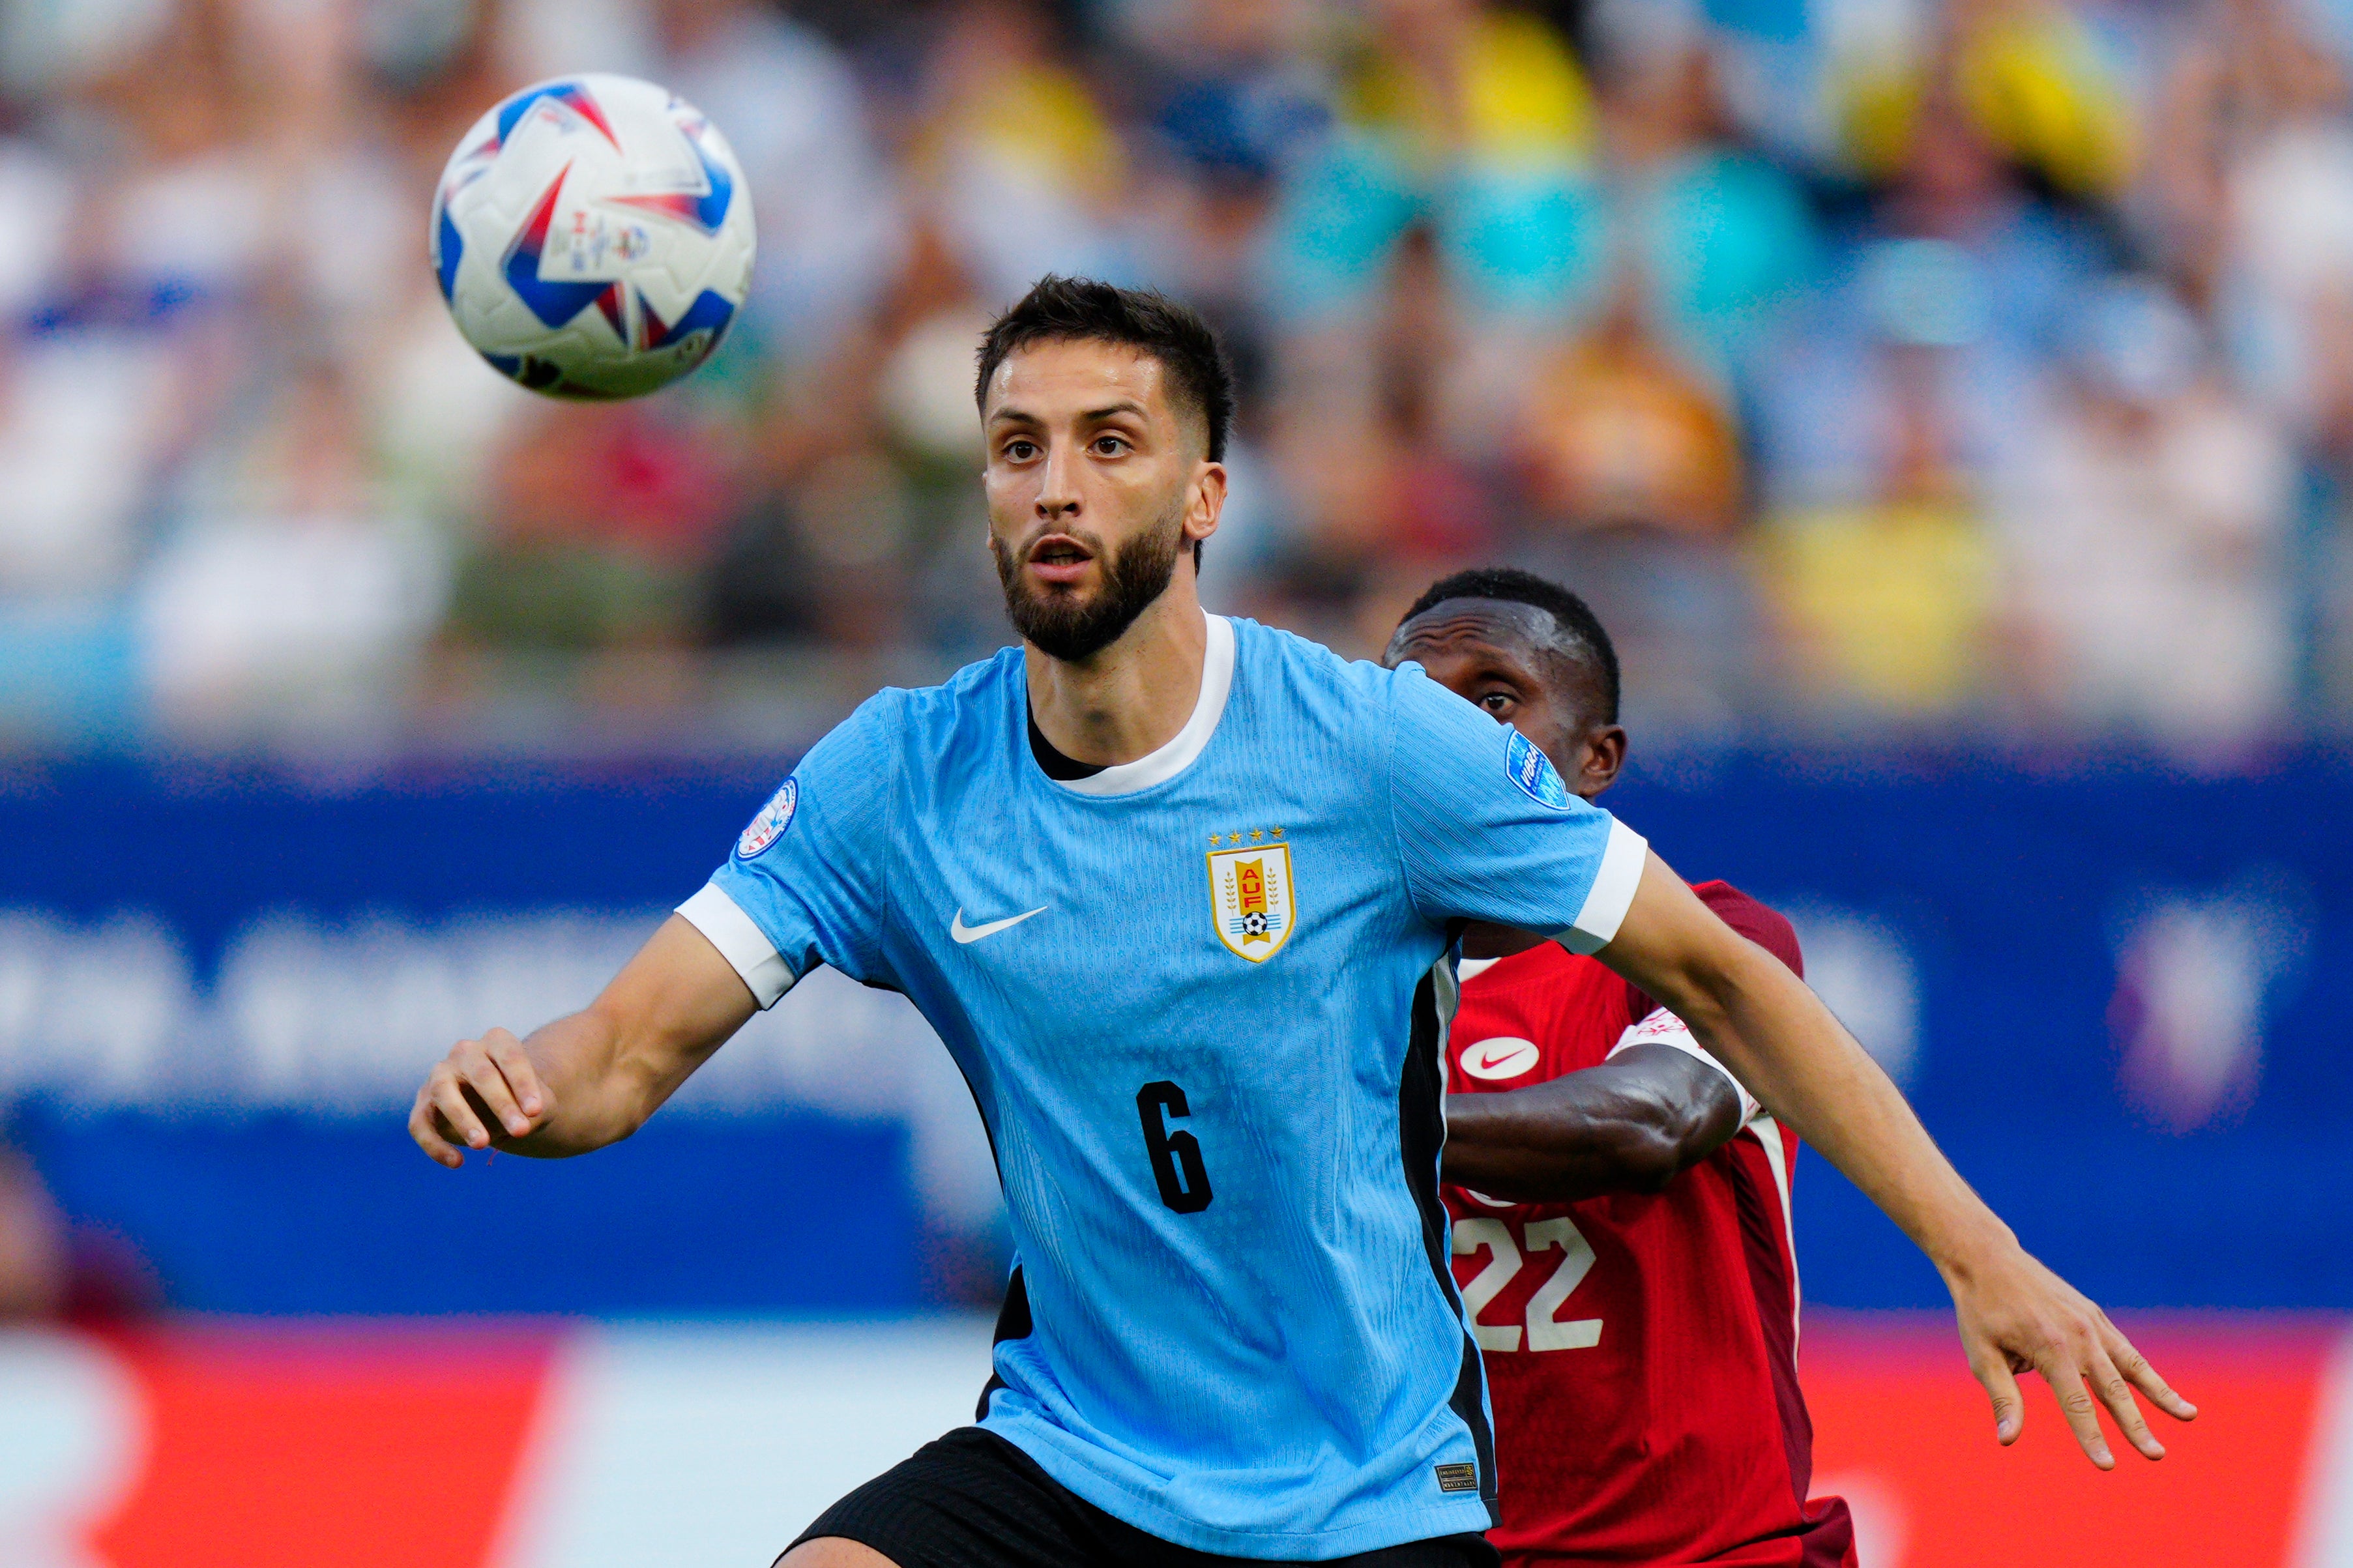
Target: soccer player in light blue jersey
column 1181, row 894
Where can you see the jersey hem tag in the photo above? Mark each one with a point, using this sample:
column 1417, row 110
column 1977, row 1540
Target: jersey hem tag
column 1456, row 1478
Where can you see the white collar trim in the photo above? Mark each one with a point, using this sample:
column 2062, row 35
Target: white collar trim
column 1177, row 754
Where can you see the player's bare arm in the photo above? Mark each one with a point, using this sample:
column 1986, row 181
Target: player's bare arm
column 1631, row 1125
column 590, row 1079
column 1763, row 1023
column 1775, row 1036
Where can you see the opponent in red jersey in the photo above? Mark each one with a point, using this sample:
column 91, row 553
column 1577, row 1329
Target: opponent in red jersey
column 1621, row 1204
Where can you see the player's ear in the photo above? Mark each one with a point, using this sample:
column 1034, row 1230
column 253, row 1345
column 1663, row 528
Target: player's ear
column 1605, row 757
column 1206, row 502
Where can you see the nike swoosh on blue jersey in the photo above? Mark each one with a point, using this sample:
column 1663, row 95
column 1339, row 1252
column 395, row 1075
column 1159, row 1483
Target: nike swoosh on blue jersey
column 965, row 933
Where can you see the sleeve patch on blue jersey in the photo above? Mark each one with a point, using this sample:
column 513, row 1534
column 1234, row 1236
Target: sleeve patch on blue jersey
column 1534, row 772
column 770, row 825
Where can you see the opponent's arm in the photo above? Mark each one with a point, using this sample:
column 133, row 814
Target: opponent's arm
column 1631, row 1125
column 1775, row 1036
column 591, row 1079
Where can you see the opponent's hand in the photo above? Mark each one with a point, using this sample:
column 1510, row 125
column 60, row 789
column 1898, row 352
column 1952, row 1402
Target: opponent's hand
column 2017, row 1316
column 480, row 1085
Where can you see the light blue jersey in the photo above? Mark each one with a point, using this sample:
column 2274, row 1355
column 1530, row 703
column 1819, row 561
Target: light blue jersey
column 1200, row 999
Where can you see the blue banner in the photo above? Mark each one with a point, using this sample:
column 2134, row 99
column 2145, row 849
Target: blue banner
column 2114, row 995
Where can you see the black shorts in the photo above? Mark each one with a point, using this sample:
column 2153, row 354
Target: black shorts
column 974, row 1500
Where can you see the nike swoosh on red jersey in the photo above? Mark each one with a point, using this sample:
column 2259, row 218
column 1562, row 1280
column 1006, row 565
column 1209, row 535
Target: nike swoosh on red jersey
column 1499, row 1058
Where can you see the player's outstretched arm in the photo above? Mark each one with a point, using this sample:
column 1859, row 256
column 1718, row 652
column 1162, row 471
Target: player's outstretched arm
column 1631, row 1125
column 1763, row 1023
column 593, row 1078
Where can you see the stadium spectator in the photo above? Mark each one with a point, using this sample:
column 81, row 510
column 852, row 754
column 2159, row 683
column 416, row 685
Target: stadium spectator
column 290, row 596
column 1014, row 153
column 2146, row 537
column 1712, row 306
column 830, row 228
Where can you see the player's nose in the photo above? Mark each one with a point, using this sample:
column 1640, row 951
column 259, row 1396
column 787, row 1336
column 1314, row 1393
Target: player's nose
column 1058, row 491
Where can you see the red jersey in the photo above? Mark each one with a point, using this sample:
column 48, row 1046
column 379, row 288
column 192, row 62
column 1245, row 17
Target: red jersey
column 1640, row 1349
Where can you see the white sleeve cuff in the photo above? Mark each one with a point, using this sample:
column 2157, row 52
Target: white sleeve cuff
column 741, row 942
column 1664, row 1029
column 1612, row 893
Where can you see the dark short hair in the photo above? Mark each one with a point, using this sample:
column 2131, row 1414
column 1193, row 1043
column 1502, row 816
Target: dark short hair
column 1577, row 634
column 1064, row 310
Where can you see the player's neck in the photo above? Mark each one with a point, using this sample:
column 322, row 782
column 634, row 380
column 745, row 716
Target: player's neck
column 1132, row 698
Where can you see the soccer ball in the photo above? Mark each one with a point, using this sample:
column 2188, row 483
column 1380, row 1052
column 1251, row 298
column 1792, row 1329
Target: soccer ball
column 592, row 237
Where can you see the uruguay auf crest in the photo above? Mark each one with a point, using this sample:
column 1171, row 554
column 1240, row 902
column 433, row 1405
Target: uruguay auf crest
column 1252, row 900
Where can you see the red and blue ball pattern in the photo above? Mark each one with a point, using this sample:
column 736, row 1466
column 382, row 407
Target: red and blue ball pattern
column 602, row 219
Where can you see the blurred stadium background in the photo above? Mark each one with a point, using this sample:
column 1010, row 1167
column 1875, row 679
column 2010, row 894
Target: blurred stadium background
column 1950, row 407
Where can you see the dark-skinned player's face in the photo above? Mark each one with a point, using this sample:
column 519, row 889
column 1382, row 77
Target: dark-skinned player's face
column 1097, row 488
column 1498, row 654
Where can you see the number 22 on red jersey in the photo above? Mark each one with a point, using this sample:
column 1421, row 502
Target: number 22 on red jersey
column 1507, row 1254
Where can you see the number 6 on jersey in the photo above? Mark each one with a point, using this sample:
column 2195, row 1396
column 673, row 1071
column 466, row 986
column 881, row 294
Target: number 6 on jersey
column 1173, row 1152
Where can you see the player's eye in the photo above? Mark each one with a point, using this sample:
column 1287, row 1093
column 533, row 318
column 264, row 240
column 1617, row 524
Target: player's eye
column 1019, row 450
column 1110, row 445
column 1498, row 702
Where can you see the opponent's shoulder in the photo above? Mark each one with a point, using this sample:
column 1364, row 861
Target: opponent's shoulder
column 1759, row 921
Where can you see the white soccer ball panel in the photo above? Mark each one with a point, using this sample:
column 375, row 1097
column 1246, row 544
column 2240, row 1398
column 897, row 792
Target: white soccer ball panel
column 593, row 236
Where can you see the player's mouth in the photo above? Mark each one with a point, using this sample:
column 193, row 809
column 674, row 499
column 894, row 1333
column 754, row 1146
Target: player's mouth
column 1059, row 558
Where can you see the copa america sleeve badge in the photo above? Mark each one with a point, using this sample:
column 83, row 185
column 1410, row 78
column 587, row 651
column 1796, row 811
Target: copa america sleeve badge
column 770, row 825
column 1534, row 772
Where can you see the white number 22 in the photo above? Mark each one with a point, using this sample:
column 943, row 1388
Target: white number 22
column 1494, row 1237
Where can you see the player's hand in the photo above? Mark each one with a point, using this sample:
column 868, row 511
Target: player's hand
column 480, row 1086
column 2017, row 1316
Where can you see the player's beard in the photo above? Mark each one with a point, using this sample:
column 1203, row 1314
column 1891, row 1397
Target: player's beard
column 1063, row 625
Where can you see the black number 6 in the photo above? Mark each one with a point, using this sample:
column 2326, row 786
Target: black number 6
column 1170, row 1151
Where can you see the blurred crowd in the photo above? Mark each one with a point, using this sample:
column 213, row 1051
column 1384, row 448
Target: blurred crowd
column 1872, row 364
